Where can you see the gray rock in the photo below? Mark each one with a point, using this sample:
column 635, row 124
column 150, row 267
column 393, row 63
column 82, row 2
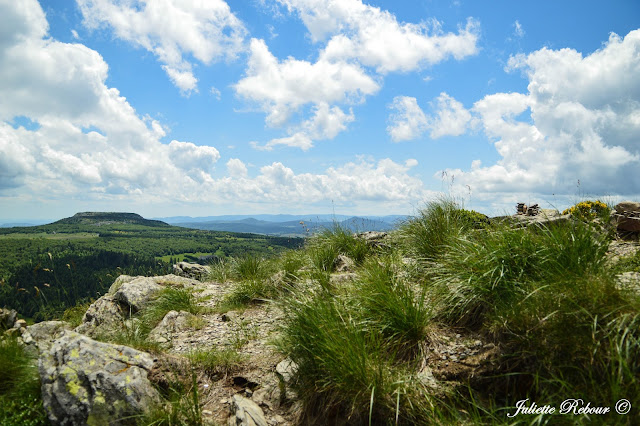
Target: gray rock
column 89, row 382
column 39, row 337
column 191, row 270
column 344, row 263
column 286, row 369
column 7, row 318
column 119, row 282
column 173, row 322
column 628, row 281
column 137, row 292
column 105, row 316
column 246, row 413
column 176, row 280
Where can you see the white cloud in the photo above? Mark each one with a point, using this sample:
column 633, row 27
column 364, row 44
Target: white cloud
column 376, row 39
column 408, row 121
column 584, row 124
column 75, row 35
column 171, row 29
column 215, row 92
column 358, row 45
column 236, row 168
column 281, row 88
column 451, row 119
column 383, row 182
column 518, row 31
column 88, row 139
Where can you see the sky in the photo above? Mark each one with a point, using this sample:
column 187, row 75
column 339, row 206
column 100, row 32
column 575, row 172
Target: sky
column 201, row 108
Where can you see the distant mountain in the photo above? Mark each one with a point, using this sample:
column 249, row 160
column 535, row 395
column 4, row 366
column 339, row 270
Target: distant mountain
column 108, row 218
column 296, row 227
column 263, row 217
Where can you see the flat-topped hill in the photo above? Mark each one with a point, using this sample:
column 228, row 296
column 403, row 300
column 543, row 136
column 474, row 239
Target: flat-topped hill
column 108, row 218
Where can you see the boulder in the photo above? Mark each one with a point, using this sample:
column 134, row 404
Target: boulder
column 39, row 337
column 85, row 382
column 119, row 282
column 191, row 270
column 7, row 318
column 628, row 224
column 627, row 207
column 172, row 323
column 105, row 315
column 136, row 293
column 246, row 413
column 627, row 216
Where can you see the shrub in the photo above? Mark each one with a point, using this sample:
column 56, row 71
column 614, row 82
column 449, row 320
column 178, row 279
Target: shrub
column 589, row 210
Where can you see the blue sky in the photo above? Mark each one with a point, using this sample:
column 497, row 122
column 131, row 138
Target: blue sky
column 181, row 107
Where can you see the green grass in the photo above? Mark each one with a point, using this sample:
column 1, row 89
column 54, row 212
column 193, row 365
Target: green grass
column 19, row 387
column 545, row 295
column 429, row 234
column 216, row 362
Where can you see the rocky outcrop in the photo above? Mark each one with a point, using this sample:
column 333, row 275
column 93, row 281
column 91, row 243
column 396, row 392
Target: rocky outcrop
column 246, row 413
column 39, row 337
column 137, row 292
column 89, row 382
column 374, row 239
column 627, row 216
column 172, row 323
column 191, row 270
column 104, row 316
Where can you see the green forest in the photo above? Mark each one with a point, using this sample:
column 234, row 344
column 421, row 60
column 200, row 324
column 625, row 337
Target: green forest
column 47, row 269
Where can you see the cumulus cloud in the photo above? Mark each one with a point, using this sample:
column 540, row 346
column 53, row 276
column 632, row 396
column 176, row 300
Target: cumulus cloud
column 236, row 168
column 376, row 39
column 408, row 121
column 579, row 121
column 282, row 87
column 171, row 29
column 88, row 139
column 383, row 181
column 358, row 45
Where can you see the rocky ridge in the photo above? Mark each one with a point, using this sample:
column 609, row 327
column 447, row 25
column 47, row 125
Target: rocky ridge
column 85, row 381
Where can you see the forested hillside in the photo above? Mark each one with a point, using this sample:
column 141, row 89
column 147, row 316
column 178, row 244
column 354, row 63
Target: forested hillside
column 45, row 269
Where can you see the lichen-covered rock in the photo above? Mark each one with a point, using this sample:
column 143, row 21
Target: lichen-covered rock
column 39, row 337
column 246, row 413
column 122, row 279
column 85, row 382
column 191, row 270
column 137, row 292
column 104, row 316
column 173, row 322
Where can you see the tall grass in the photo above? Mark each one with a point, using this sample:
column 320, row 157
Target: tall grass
column 428, row 235
column 325, row 247
column 493, row 269
column 392, row 305
column 19, row 386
